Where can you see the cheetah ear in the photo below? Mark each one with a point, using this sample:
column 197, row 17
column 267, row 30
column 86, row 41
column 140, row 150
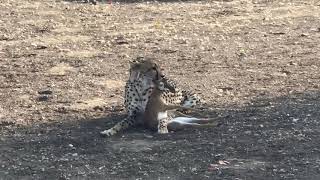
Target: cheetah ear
column 137, row 60
column 132, row 62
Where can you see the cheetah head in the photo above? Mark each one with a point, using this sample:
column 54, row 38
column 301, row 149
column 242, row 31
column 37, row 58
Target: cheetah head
column 144, row 69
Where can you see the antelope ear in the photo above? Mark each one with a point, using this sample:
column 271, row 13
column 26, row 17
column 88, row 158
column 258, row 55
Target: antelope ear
column 161, row 85
column 158, row 70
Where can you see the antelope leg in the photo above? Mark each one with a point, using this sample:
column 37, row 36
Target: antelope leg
column 180, row 114
column 193, row 120
column 180, row 123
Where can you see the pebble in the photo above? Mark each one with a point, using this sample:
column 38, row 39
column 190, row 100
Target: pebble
column 45, row 92
column 71, row 145
column 43, row 98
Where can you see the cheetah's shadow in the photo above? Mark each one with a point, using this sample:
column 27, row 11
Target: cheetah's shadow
column 253, row 132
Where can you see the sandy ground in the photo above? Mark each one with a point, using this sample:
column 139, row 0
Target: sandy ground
column 63, row 66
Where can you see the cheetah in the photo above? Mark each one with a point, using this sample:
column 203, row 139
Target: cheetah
column 138, row 89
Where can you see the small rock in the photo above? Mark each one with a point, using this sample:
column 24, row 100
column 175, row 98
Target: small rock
column 222, row 162
column 193, row 169
column 98, row 108
column 148, row 136
column 282, row 170
column 293, row 63
column 121, row 40
column 39, row 46
column 61, row 109
column 71, row 145
column 64, row 159
column 43, row 98
column 45, row 92
column 101, row 167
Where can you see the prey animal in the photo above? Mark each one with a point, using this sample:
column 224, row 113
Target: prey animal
column 158, row 113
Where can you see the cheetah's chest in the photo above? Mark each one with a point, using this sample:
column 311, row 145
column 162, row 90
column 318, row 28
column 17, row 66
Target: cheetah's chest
column 143, row 98
column 139, row 96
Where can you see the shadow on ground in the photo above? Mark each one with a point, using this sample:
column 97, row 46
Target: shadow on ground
column 268, row 139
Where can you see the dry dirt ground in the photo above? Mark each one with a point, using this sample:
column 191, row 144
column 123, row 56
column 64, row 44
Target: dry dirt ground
column 63, row 65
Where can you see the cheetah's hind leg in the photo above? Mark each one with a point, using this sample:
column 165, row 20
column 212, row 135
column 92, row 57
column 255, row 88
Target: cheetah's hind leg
column 191, row 99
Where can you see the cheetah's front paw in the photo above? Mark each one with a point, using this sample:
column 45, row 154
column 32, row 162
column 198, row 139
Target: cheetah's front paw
column 163, row 131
